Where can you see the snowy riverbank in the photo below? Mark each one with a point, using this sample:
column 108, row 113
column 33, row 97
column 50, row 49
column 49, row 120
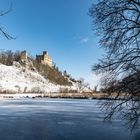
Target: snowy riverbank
column 54, row 95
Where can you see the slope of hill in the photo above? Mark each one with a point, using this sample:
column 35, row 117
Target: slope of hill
column 18, row 75
column 52, row 73
column 49, row 72
column 15, row 79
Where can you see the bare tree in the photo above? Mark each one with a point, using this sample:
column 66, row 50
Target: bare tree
column 17, row 56
column 82, row 85
column 2, row 29
column 2, row 57
column 117, row 22
column 9, row 57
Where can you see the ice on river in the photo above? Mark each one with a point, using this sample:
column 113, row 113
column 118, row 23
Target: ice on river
column 58, row 119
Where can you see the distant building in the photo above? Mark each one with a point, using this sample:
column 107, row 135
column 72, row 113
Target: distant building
column 44, row 59
column 23, row 56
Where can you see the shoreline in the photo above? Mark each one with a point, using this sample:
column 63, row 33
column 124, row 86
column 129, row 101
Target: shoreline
column 99, row 96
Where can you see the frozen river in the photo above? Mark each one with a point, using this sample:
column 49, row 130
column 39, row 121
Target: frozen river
column 58, row 119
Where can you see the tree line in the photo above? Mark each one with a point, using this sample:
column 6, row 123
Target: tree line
column 7, row 57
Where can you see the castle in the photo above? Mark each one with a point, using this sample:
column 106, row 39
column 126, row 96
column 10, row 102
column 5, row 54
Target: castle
column 23, row 56
column 44, row 58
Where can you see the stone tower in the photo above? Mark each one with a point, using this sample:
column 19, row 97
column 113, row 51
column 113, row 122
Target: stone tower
column 23, row 56
column 44, row 58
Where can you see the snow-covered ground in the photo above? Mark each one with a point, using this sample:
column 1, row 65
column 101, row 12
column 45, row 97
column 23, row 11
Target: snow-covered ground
column 18, row 79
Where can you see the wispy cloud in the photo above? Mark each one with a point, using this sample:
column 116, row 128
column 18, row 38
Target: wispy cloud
column 84, row 40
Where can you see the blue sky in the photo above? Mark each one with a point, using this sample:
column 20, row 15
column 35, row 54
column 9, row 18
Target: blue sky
column 62, row 27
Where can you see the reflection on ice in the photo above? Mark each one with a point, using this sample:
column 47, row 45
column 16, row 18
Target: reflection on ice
column 58, row 119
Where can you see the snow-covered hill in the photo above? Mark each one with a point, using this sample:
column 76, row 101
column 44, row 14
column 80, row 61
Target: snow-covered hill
column 18, row 79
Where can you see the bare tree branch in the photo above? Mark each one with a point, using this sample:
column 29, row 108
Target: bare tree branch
column 118, row 25
column 3, row 13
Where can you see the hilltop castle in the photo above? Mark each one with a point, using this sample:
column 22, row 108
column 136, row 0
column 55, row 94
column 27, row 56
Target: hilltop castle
column 44, row 58
column 23, row 56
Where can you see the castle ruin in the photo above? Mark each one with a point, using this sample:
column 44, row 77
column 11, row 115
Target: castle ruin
column 23, row 56
column 44, row 58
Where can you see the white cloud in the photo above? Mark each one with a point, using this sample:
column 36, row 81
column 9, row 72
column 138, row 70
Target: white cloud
column 84, row 40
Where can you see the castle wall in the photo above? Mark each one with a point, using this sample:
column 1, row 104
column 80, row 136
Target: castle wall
column 48, row 60
column 44, row 59
column 23, row 56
